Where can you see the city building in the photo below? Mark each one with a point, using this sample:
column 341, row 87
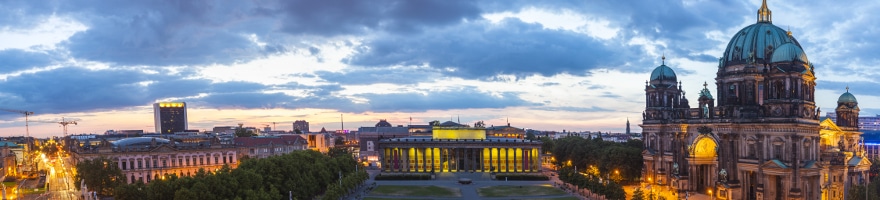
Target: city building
column 170, row 117
column 368, row 139
column 143, row 159
column 454, row 147
column 301, row 125
column 762, row 139
column 321, row 142
column 265, row 146
column 9, row 159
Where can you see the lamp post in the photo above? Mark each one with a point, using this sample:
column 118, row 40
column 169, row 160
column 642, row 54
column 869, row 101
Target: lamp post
column 710, row 194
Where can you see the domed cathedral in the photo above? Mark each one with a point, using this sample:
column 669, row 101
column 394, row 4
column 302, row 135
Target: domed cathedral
column 763, row 139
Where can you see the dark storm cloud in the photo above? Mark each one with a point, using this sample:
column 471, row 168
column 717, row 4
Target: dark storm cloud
column 16, row 59
column 480, row 49
column 466, row 98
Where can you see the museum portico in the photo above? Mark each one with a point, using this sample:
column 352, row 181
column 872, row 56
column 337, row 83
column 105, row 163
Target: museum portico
column 459, row 149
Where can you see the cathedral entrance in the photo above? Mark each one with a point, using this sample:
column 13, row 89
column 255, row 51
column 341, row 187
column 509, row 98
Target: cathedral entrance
column 704, row 164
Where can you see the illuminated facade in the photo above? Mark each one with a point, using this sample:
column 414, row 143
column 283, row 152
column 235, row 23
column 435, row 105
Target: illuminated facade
column 143, row 159
column 763, row 139
column 170, row 117
column 459, row 149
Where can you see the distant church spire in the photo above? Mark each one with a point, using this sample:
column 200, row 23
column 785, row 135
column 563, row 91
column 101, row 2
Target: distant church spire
column 764, row 14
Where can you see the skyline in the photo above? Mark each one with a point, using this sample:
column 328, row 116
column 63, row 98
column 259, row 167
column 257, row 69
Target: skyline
column 562, row 65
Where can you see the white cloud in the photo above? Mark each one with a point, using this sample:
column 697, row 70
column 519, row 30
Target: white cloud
column 562, row 20
column 49, row 32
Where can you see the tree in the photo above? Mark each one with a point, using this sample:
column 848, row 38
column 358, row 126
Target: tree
column 100, row 174
column 339, row 141
column 638, row 194
column 530, row 136
column 242, row 132
column 297, row 131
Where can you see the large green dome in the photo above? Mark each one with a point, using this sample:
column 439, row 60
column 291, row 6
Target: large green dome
column 758, row 38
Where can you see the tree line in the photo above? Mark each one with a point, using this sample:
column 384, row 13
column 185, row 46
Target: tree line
column 300, row 174
column 602, row 159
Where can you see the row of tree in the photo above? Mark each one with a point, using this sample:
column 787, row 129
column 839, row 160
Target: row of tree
column 610, row 189
column 301, row 174
column 603, row 159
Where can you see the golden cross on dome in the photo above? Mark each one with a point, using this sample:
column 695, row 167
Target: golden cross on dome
column 664, row 59
column 764, row 14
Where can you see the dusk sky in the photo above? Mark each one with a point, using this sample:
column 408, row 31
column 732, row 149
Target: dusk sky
column 547, row 65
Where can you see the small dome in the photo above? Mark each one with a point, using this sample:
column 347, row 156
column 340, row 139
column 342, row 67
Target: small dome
column 847, row 98
column 663, row 73
column 383, row 123
column 789, row 52
column 663, row 76
column 139, row 141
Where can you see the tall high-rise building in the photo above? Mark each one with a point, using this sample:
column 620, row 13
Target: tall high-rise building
column 170, row 117
column 301, row 125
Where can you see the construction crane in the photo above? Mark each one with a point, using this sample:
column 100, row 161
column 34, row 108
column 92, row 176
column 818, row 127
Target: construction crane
column 273, row 124
column 64, row 123
column 27, row 130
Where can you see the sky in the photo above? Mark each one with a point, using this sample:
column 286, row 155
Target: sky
column 547, row 65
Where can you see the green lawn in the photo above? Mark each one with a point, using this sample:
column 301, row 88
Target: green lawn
column 415, row 191
column 513, row 191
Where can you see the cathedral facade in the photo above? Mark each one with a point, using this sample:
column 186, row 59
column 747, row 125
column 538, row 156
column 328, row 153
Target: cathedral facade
column 759, row 136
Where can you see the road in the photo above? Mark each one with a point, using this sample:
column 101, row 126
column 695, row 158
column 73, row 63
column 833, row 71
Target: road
column 60, row 179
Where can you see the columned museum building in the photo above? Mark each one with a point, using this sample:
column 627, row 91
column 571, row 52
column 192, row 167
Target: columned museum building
column 459, row 148
column 759, row 136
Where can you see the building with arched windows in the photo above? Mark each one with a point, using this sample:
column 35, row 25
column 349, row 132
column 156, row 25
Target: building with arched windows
column 143, row 159
column 759, row 136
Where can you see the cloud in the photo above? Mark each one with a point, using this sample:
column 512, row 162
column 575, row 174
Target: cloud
column 73, row 89
column 12, row 60
column 480, row 49
column 393, row 75
column 344, row 17
column 466, row 98
column 576, row 109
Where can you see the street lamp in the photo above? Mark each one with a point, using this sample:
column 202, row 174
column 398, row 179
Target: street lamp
column 710, row 194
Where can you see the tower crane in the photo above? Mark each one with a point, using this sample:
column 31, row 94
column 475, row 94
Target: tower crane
column 27, row 132
column 64, row 123
column 26, row 114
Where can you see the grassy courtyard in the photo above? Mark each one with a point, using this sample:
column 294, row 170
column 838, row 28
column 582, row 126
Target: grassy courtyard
column 515, row 191
column 415, row 191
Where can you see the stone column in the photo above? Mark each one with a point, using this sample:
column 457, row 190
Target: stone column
column 490, row 159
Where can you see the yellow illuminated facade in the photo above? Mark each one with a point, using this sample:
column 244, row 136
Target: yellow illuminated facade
column 458, row 133
column 459, row 149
